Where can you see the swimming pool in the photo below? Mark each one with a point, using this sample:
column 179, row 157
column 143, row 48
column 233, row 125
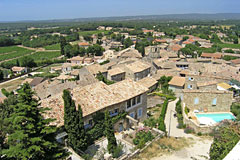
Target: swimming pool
column 217, row 117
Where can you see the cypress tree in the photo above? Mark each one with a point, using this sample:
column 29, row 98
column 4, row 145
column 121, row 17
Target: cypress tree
column 73, row 123
column 109, row 132
column 1, row 75
column 32, row 136
column 63, row 43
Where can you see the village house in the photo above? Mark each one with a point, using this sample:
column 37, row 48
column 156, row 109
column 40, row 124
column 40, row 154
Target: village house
column 137, row 70
column 109, row 54
column 101, row 28
column 116, row 74
column 109, row 28
column 76, row 60
column 129, row 53
column 174, row 48
column 19, row 70
column 182, row 65
column 66, row 67
column 36, row 81
column 84, row 44
column 126, row 96
column 177, row 84
column 95, row 69
column 158, row 34
column 149, row 83
column 208, row 101
column 211, row 55
column 116, row 45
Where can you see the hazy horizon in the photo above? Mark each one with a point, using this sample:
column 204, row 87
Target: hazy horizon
column 24, row 10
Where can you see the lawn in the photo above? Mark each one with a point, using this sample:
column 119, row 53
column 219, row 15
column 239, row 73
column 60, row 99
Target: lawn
column 53, row 47
column 12, row 52
column 88, row 33
column 226, row 45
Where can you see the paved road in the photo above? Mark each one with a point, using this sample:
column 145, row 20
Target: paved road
column 174, row 131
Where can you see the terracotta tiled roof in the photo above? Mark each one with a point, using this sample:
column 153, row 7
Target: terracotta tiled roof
column 83, row 44
column 235, row 61
column 177, row 81
column 212, row 55
column 17, row 69
column 95, row 69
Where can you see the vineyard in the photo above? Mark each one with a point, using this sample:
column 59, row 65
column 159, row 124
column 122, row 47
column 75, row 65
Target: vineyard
column 53, row 47
column 12, row 52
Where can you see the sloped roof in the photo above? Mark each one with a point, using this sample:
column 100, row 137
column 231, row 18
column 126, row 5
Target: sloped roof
column 36, row 81
column 212, row 55
column 129, row 53
column 147, row 82
column 224, row 85
column 115, row 71
column 138, row 66
column 17, row 69
column 95, row 69
column 202, row 84
column 177, row 81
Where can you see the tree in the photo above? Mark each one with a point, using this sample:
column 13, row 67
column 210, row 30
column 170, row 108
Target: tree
column 109, row 132
column 32, row 136
column 17, row 63
column 63, row 43
column 67, row 50
column 28, row 62
column 127, row 42
column 226, row 136
column 185, row 38
column 1, row 75
column 73, row 123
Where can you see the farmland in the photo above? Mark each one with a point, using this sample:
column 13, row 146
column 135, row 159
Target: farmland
column 12, row 52
column 38, row 56
column 225, row 45
column 53, row 47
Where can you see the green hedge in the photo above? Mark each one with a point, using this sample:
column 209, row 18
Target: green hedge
column 180, row 115
column 161, row 124
column 163, row 95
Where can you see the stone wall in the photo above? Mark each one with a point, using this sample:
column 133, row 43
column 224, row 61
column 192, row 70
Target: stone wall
column 117, row 78
column 205, row 100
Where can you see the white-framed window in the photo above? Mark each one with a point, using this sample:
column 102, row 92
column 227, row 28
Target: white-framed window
column 190, row 86
column 133, row 102
column 214, row 102
column 196, row 100
column 139, row 112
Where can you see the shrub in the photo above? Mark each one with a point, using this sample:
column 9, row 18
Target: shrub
column 179, row 114
column 151, row 122
column 188, row 130
column 117, row 152
column 199, row 133
column 186, row 110
column 161, row 124
column 143, row 135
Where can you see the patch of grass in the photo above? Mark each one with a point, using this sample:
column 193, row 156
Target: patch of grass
column 53, row 47
column 226, row 45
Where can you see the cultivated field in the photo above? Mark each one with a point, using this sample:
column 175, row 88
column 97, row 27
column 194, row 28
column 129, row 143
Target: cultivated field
column 53, row 47
column 225, row 45
column 87, row 33
column 12, row 52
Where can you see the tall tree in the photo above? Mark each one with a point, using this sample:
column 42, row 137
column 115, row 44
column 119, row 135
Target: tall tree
column 32, row 136
column 63, row 43
column 1, row 75
column 109, row 132
column 73, row 123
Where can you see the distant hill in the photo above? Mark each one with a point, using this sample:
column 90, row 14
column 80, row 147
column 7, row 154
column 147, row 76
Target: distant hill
column 166, row 17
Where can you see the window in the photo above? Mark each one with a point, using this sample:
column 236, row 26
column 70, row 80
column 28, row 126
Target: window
column 139, row 112
column 132, row 115
column 190, row 79
column 116, row 110
column 196, row 101
column 90, row 122
column 139, row 99
column 214, row 102
column 189, row 86
column 134, row 101
column 129, row 103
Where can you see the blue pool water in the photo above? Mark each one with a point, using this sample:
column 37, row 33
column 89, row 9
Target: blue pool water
column 217, row 117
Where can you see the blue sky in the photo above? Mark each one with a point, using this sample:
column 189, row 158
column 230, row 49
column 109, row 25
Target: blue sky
column 13, row 10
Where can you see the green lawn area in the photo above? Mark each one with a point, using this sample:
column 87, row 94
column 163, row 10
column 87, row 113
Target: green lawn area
column 87, row 33
column 53, row 47
column 12, row 52
column 225, row 45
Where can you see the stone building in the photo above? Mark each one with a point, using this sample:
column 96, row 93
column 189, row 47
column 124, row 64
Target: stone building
column 116, row 74
column 94, row 69
column 126, row 96
column 137, row 70
column 208, row 101
column 177, row 85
